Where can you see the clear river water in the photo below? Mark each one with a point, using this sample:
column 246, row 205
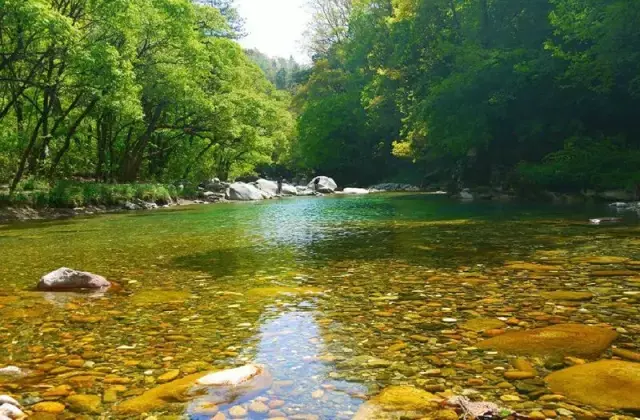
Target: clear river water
column 338, row 297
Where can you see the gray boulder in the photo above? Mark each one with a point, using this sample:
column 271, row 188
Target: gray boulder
column 66, row 278
column 394, row 187
column 239, row 191
column 288, row 189
column 465, row 195
column 268, row 187
column 215, row 185
column 323, row 184
column 304, row 191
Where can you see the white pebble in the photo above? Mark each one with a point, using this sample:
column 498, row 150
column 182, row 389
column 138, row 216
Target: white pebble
column 449, row 320
column 5, row 399
column 11, row 411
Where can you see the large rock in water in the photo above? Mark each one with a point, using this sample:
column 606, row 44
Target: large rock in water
column 323, row 184
column 556, row 340
column 397, row 402
column 239, row 191
column 68, row 279
column 606, row 384
column 266, row 186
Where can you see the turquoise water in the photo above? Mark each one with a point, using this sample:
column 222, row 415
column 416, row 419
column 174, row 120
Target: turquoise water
column 316, row 289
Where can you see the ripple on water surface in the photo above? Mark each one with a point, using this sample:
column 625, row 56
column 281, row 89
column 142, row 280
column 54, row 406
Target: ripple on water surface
column 339, row 298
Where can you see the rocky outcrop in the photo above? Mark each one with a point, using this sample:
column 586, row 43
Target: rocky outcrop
column 239, row 191
column 268, row 187
column 288, row 189
column 556, row 340
column 215, row 185
column 606, row 384
column 394, row 187
column 323, row 184
column 304, row 191
column 68, row 279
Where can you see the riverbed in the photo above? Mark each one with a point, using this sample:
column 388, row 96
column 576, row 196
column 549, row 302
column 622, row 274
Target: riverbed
column 338, row 297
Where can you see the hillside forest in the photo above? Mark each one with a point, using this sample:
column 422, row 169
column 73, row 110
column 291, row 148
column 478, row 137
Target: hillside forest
column 535, row 94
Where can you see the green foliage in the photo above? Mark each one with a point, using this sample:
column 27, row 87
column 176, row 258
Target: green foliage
column 584, row 164
column 70, row 194
column 478, row 92
column 131, row 90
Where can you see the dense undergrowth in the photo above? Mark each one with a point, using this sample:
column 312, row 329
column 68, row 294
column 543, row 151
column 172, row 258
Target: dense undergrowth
column 71, row 194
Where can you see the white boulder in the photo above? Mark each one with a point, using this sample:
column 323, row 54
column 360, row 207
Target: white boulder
column 239, row 191
column 323, row 184
column 355, row 191
column 288, row 189
column 269, row 187
column 66, row 278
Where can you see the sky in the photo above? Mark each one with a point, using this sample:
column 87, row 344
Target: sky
column 275, row 27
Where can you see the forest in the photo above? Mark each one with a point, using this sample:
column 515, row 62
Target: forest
column 523, row 94
column 535, row 94
column 123, row 91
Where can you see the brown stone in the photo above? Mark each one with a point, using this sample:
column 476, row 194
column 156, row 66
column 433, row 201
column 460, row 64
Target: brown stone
column 563, row 339
column 606, row 384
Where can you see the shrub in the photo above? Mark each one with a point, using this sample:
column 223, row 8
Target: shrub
column 584, row 163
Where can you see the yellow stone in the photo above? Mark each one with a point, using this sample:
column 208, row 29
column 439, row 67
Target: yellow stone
column 533, row 267
column 398, row 398
column 523, row 365
column 80, row 403
column 567, row 295
column 606, row 384
column 519, row 374
column 168, row 376
column 601, row 260
column 159, row 396
column 557, row 340
column 152, row 297
column 267, row 292
column 58, row 391
column 482, row 324
column 627, row 354
column 50, row 407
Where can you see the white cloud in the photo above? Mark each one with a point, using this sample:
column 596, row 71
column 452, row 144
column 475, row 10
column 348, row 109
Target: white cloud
column 275, row 27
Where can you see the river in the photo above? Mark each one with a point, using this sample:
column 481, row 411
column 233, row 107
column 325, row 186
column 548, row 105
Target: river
column 339, row 297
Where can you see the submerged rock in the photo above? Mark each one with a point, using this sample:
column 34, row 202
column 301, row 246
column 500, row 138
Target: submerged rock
column 482, row 324
column 323, row 184
column 557, row 340
column 67, row 278
column 606, row 384
column 567, row 295
column 158, row 397
column 395, row 402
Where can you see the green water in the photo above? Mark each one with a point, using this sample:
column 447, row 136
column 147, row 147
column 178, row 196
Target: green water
column 318, row 290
